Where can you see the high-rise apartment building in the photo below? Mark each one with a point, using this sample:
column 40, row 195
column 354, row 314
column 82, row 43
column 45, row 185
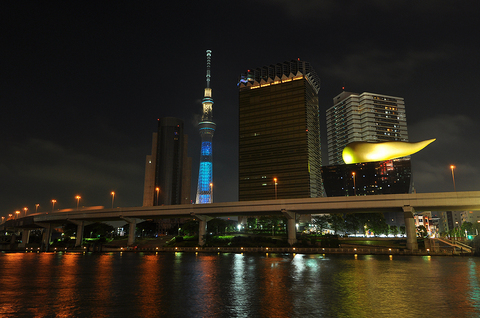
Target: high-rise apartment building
column 364, row 117
column 168, row 169
column 279, row 140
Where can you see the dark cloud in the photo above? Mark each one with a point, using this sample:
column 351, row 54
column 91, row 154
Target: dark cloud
column 454, row 146
column 391, row 67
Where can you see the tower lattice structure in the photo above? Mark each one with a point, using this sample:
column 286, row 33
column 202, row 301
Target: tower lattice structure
column 207, row 129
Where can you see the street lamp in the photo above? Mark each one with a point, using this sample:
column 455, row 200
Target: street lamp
column 53, row 204
column 78, row 200
column 18, row 213
column 3, row 218
column 211, row 192
column 36, row 207
column 113, row 197
column 158, row 192
column 25, row 209
column 275, row 182
column 354, row 185
column 453, row 177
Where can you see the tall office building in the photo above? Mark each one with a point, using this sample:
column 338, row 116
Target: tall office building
column 207, row 129
column 364, row 117
column 168, row 169
column 279, row 144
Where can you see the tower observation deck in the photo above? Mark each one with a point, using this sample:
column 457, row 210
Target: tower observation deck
column 206, row 128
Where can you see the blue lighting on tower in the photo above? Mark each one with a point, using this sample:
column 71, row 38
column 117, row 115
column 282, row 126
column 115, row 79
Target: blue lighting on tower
column 206, row 128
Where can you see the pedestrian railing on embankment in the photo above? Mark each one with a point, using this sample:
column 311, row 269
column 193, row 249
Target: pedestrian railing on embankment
column 299, row 250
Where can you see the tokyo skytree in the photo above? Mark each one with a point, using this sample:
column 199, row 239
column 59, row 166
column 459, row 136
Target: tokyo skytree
column 206, row 128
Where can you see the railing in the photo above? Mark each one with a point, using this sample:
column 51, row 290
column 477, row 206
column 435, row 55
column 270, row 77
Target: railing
column 298, row 250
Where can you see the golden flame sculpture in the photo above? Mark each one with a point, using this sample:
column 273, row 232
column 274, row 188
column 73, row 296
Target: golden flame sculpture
column 361, row 151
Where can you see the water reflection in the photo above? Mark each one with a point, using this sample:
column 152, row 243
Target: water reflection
column 66, row 287
column 275, row 286
column 150, row 288
column 237, row 285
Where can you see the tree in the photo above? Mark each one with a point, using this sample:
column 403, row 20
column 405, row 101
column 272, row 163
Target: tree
column 467, row 226
column 402, row 230
column 376, row 223
column 320, row 222
column 252, row 223
column 352, row 223
column 394, row 230
column 97, row 229
column 336, row 222
column 147, row 228
column 190, row 227
column 216, row 226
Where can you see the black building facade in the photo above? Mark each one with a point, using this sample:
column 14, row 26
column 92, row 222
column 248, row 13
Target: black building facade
column 369, row 178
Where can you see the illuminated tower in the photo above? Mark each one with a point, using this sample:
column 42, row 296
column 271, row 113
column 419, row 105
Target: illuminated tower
column 207, row 129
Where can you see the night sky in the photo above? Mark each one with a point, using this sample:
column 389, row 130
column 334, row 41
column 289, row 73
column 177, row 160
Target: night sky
column 83, row 83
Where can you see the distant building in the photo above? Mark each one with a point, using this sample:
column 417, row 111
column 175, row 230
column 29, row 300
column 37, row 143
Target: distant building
column 368, row 178
column 450, row 220
column 279, row 138
column 168, row 169
column 425, row 219
column 363, row 117
column 470, row 216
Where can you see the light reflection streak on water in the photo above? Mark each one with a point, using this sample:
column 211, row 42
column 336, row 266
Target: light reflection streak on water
column 150, row 287
column 102, row 290
column 43, row 283
column 67, row 285
column 240, row 295
column 275, row 301
column 474, row 285
column 208, row 290
column 11, row 274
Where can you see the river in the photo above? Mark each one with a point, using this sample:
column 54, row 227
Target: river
column 237, row 285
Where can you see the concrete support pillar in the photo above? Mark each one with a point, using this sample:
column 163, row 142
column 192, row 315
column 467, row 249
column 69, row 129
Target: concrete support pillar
column 291, row 226
column 47, row 234
column 202, row 228
column 410, row 229
column 25, row 238
column 79, row 237
column 132, row 222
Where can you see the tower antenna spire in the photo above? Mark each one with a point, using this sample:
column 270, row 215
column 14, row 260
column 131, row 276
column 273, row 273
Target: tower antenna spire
column 209, row 57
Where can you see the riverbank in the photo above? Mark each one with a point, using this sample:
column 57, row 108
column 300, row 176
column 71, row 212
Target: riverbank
column 291, row 250
column 363, row 246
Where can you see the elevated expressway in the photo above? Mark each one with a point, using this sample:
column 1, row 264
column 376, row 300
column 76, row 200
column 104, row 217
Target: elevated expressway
column 291, row 209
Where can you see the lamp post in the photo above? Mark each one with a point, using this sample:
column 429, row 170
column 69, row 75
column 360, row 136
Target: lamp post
column 36, row 207
column 275, row 183
column 53, row 204
column 3, row 218
column 211, row 192
column 453, row 178
column 113, row 197
column 78, row 200
column 25, row 209
column 354, row 185
column 17, row 213
column 157, row 189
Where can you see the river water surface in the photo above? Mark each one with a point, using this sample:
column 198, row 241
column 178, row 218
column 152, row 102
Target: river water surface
column 237, row 285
